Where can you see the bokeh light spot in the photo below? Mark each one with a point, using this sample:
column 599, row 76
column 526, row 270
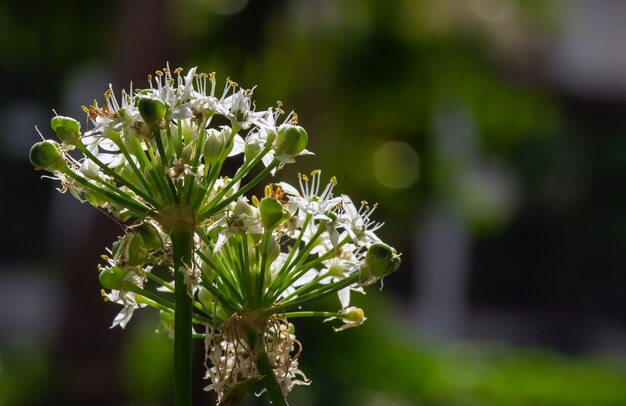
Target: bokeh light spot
column 396, row 165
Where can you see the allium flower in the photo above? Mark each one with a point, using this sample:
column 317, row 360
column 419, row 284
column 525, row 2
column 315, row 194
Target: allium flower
column 239, row 267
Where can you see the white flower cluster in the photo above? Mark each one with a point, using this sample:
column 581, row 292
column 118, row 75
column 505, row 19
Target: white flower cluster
column 155, row 158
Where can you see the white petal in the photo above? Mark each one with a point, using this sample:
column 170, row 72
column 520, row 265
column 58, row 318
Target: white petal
column 344, row 297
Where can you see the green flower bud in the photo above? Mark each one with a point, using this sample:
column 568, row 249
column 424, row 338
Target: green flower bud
column 212, row 147
column 46, row 155
column 112, row 278
column 381, row 260
column 290, row 140
column 152, row 110
column 273, row 213
column 66, row 128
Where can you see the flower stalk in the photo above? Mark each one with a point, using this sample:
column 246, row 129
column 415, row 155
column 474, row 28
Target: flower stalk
column 257, row 342
column 182, row 244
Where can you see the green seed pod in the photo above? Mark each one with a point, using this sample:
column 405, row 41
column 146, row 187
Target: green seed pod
column 152, row 110
column 112, row 278
column 66, row 128
column 273, row 213
column 381, row 260
column 213, row 146
column 46, row 155
column 130, row 250
column 136, row 252
column 290, row 140
column 150, row 236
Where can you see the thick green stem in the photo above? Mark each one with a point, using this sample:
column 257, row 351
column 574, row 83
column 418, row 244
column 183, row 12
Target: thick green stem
column 182, row 242
column 265, row 368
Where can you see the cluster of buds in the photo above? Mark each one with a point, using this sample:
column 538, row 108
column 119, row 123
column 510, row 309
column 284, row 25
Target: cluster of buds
column 155, row 159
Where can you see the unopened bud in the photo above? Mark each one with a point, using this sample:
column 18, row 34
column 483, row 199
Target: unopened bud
column 152, row 110
column 89, row 169
column 213, row 146
column 290, row 140
column 46, row 155
column 66, row 128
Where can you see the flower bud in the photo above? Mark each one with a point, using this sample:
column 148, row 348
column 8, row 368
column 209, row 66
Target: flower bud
column 380, row 261
column 213, row 146
column 112, row 278
column 290, row 140
column 152, row 110
column 46, row 155
column 89, row 169
column 66, row 128
column 240, row 106
column 273, row 213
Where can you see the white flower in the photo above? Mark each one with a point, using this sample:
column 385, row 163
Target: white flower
column 309, row 199
column 343, row 264
column 126, row 299
column 357, row 223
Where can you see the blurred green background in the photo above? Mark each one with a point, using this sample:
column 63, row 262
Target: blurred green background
column 492, row 133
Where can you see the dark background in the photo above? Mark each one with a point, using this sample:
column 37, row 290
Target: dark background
column 492, row 133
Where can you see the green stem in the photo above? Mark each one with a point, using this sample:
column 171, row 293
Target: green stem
column 182, row 242
column 318, row 294
column 265, row 368
column 156, row 131
column 310, row 314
